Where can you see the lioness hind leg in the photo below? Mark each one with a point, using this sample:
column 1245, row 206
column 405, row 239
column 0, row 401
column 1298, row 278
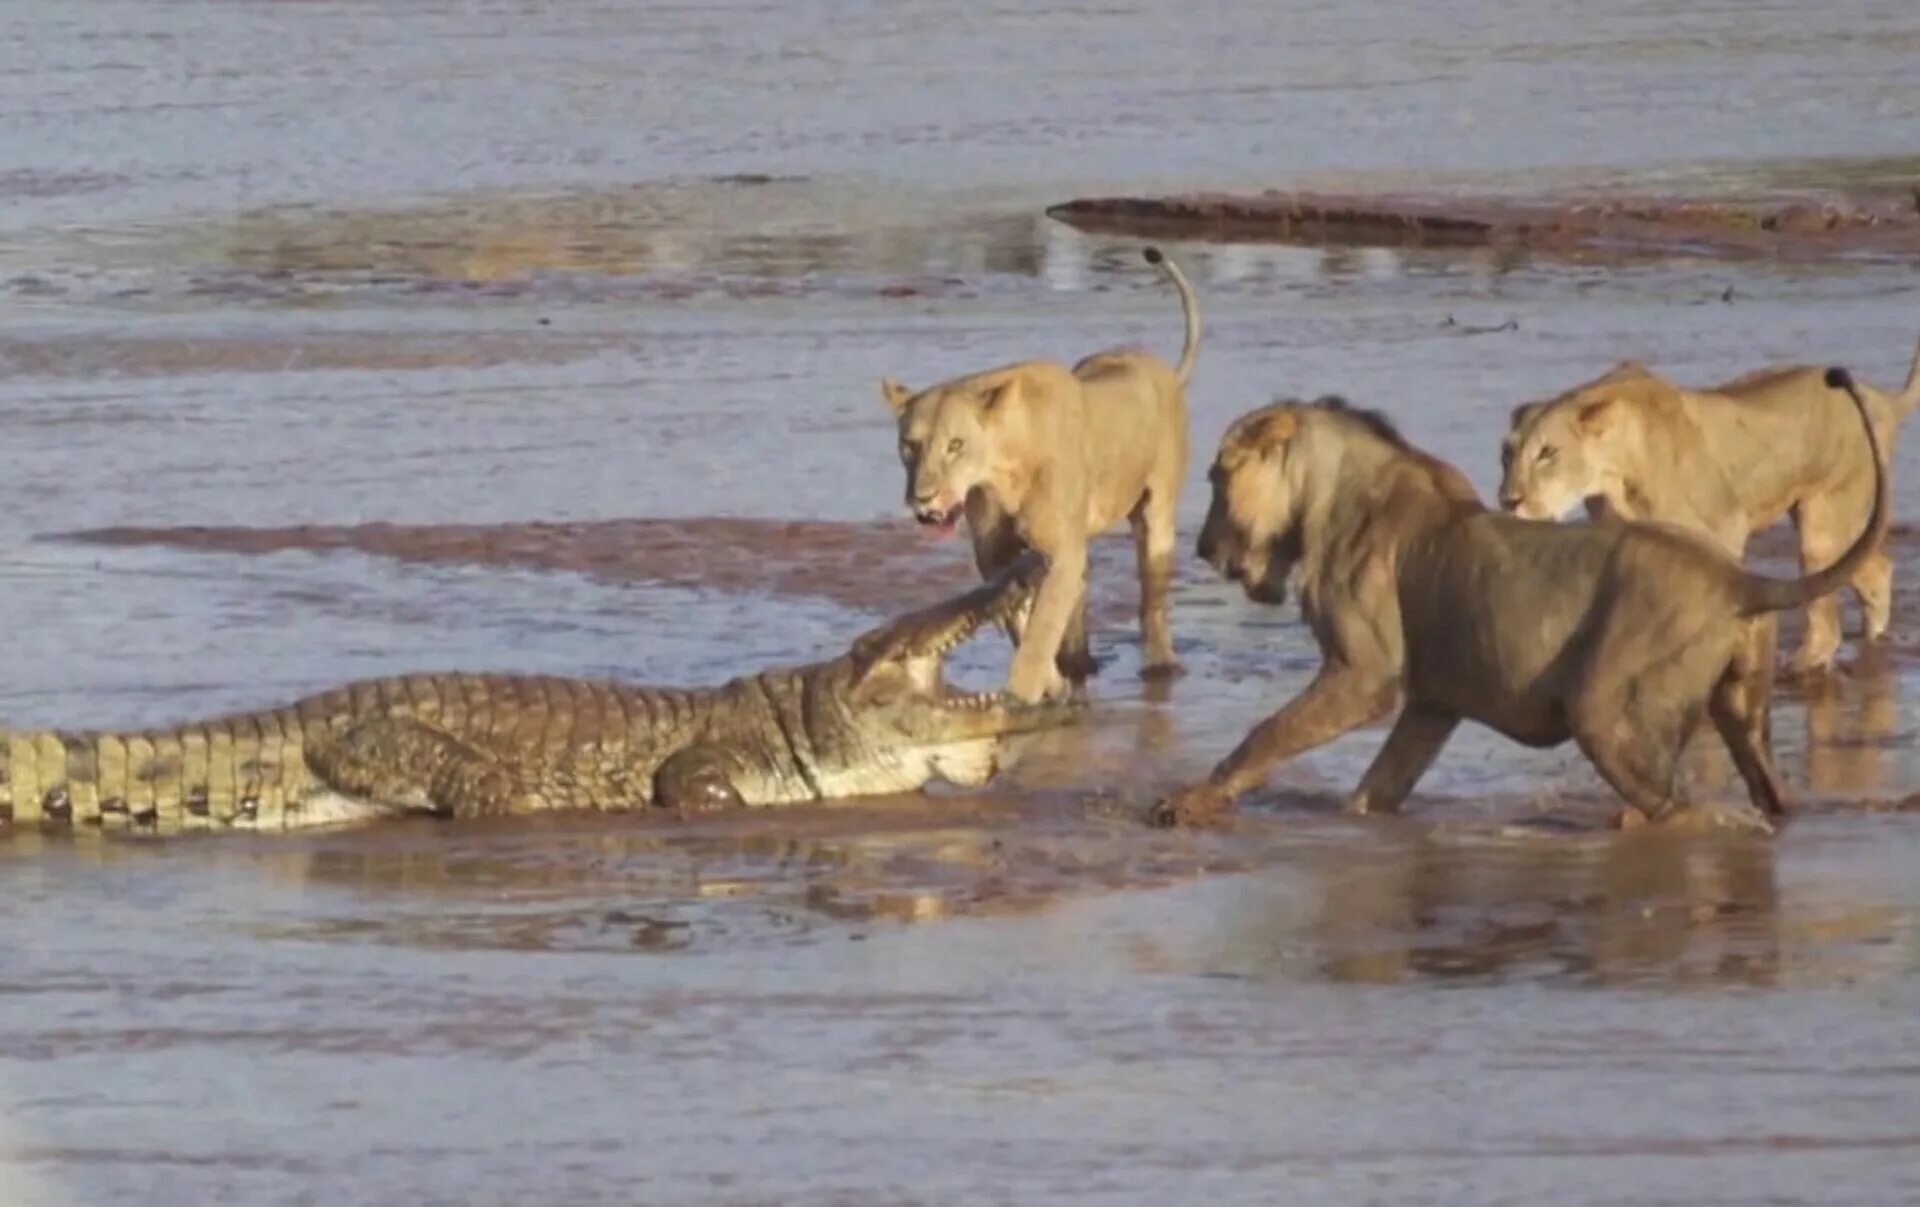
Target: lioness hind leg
column 1732, row 707
column 1411, row 747
column 1873, row 587
column 1822, row 541
column 1154, row 543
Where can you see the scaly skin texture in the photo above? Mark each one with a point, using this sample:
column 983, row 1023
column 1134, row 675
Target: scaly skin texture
column 877, row 719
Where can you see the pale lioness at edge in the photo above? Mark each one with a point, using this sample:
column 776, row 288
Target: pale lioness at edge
column 1619, row 635
column 1040, row 456
column 1724, row 462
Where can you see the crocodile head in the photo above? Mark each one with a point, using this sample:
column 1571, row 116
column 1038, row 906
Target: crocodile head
column 882, row 718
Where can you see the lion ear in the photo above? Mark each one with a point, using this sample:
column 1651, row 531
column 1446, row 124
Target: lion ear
column 1597, row 416
column 1523, row 415
column 999, row 396
column 895, row 394
column 1270, row 433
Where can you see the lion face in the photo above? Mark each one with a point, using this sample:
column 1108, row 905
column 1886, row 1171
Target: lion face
column 947, row 447
column 1248, row 536
column 1555, row 456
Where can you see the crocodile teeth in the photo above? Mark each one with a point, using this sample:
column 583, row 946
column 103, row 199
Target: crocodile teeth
column 940, row 649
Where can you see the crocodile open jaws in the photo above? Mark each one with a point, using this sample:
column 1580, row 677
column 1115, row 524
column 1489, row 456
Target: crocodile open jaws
column 877, row 719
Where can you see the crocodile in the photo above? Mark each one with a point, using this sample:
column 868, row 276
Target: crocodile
column 877, row 719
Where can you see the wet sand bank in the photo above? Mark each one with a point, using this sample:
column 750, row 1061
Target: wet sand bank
column 1626, row 229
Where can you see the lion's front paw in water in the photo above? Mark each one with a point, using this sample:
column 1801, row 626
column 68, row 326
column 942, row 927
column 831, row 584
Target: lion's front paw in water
column 1698, row 819
column 1199, row 805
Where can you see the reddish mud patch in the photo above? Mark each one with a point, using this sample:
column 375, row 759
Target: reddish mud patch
column 882, row 565
column 877, row 565
column 1803, row 227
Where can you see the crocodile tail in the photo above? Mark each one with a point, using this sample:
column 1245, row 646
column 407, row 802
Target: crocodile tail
column 237, row 771
column 1189, row 311
column 42, row 772
column 1775, row 595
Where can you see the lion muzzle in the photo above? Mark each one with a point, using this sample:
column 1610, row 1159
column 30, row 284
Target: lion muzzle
column 1212, row 547
column 931, row 513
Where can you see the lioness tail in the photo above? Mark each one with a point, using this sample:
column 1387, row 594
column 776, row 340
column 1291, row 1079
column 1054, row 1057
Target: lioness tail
column 1190, row 311
column 1910, row 393
column 1774, row 595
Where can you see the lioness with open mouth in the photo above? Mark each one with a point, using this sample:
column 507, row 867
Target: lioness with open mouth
column 1615, row 634
column 1040, row 456
column 1725, row 463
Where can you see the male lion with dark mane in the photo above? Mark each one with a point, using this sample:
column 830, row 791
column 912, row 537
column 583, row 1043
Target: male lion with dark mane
column 1618, row 635
column 1040, row 456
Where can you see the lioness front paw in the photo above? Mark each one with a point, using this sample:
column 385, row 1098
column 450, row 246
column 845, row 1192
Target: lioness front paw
column 1808, row 669
column 1077, row 665
column 1038, row 685
column 1162, row 672
column 1199, row 805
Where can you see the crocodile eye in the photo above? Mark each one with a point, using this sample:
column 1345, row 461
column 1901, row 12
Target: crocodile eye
column 954, row 446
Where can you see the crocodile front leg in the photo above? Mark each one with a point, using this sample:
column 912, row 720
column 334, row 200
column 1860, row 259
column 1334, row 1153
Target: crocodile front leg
column 404, row 761
column 695, row 780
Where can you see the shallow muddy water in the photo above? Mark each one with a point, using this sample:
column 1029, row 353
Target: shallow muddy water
column 340, row 263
